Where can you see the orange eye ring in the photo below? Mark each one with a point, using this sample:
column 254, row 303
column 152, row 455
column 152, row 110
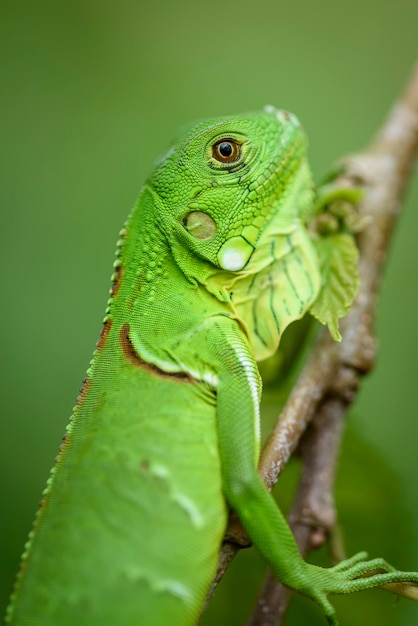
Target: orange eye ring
column 226, row 150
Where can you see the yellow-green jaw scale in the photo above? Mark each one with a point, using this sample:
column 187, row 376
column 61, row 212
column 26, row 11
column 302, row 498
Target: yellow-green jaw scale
column 234, row 254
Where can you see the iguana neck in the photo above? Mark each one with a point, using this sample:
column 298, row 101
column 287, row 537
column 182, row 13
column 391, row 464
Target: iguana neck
column 152, row 292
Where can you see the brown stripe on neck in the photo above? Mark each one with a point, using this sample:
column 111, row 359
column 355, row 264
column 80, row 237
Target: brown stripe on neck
column 116, row 282
column 83, row 392
column 104, row 333
column 132, row 356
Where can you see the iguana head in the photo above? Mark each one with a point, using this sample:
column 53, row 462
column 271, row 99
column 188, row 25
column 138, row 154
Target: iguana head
column 224, row 179
column 232, row 195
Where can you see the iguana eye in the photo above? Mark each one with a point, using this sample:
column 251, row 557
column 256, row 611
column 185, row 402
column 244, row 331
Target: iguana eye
column 226, row 151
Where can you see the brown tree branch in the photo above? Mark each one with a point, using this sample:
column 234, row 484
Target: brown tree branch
column 332, row 375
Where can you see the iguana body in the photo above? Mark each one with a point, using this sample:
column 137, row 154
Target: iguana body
column 213, row 264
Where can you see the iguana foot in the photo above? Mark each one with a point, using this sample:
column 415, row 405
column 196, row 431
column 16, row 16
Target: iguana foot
column 353, row 574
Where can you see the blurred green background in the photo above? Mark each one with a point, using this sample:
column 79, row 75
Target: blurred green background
column 92, row 92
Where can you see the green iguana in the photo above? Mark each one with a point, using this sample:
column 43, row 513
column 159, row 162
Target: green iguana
column 214, row 262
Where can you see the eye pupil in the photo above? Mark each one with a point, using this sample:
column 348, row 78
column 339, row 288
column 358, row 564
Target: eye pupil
column 225, row 149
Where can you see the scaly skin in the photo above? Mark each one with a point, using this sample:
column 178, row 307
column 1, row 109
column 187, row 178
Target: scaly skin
column 213, row 264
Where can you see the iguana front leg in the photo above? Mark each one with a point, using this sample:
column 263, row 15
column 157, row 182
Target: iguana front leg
column 237, row 413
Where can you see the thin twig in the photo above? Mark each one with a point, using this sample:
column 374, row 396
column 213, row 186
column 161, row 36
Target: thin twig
column 332, row 375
